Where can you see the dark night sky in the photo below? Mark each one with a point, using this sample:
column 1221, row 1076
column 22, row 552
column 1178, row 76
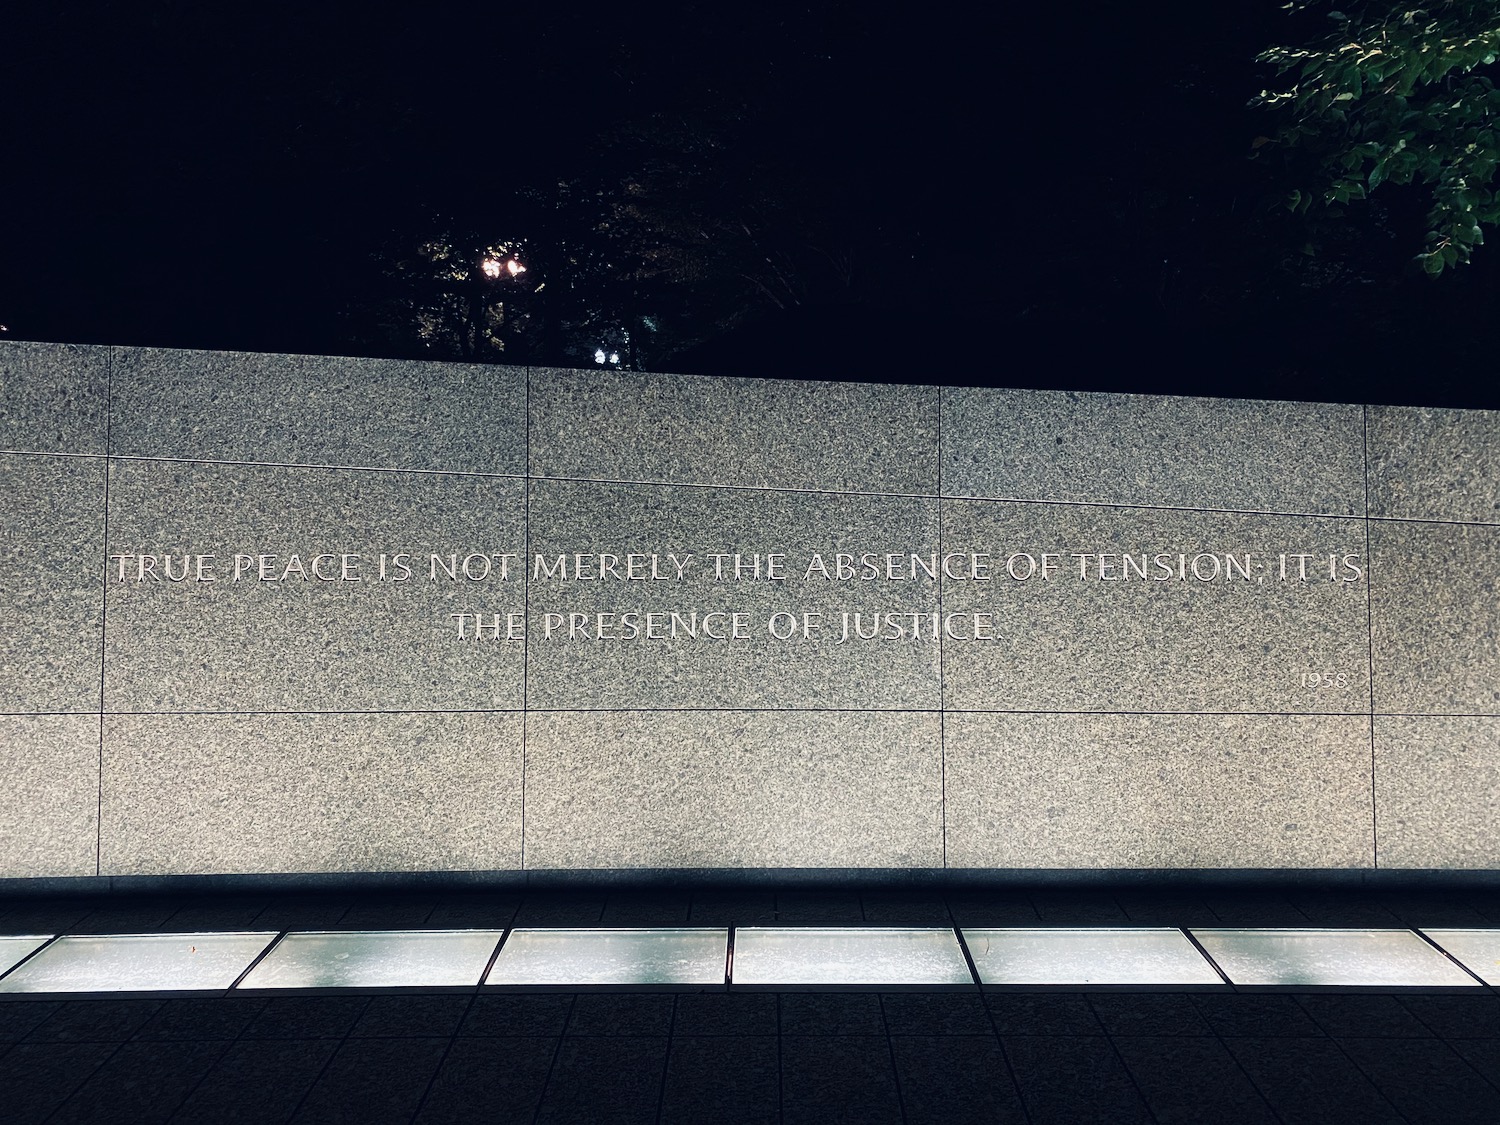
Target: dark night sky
column 1054, row 196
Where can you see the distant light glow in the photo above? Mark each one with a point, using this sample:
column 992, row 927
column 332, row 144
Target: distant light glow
column 490, row 267
column 515, row 267
column 599, row 356
column 614, row 357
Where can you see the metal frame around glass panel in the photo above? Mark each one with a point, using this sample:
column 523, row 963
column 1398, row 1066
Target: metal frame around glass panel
column 182, row 962
column 622, row 957
column 1318, row 958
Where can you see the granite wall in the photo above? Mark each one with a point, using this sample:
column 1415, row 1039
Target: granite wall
column 291, row 614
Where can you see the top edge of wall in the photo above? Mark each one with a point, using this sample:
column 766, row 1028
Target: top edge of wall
column 606, row 424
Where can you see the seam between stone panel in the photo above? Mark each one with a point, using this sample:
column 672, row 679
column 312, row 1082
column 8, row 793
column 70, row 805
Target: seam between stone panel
column 1440, row 523
column 525, row 595
column 709, row 710
column 50, row 453
column 942, row 644
column 1370, row 650
column 1145, row 506
column 103, row 562
column 318, row 465
column 732, row 487
column 1141, row 505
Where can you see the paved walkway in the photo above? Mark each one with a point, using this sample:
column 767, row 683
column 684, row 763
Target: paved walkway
column 1051, row 1055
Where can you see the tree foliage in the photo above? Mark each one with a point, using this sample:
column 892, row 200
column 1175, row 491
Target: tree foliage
column 1391, row 93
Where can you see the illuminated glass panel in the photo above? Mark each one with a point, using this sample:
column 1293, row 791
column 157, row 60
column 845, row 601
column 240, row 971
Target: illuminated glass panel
column 1097, row 955
column 617, row 957
column 1389, row 958
column 14, row 950
column 376, row 959
column 1479, row 950
column 138, row 963
column 848, row 955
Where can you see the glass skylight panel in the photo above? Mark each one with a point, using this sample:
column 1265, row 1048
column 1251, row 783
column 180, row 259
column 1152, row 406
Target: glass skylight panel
column 1096, row 955
column 14, row 950
column 851, row 955
column 1478, row 950
column 664, row 956
column 376, row 959
column 1379, row 958
column 138, row 963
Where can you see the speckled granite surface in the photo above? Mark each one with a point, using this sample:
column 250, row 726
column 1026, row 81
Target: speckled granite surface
column 1164, row 791
column 50, row 586
column 319, row 410
column 220, row 794
column 756, row 669
column 53, row 397
column 297, row 642
column 1170, row 641
column 1430, row 464
column 49, row 810
column 1153, row 628
column 1150, row 449
column 668, row 789
column 1437, row 786
column 1435, row 605
column 760, row 433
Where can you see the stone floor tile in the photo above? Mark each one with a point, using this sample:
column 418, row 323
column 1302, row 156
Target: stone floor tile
column 1148, row 1013
column 735, row 1080
column 1426, row 1080
column 483, row 1081
column 1342, row 1014
column 1259, row 1015
column 621, row 1013
column 256, row 1082
column 1042, row 1013
column 955, row 1080
column 307, row 1017
column 543, row 1014
column 847, row 1078
column 373, row 1082
column 935, row 1013
column 725, row 1013
column 612, row 1080
column 142, row 1083
column 831, row 1013
column 1311, row 1082
column 207, row 1018
column 1189, row 1081
column 36, row 1078
column 95, row 1021
column 1067, row 1079
column 411, row 1016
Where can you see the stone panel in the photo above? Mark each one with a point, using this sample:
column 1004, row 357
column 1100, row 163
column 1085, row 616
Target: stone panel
column 49, row 805
column 1437, row 786
column 1242, row 639
column 760, row 433
column 53, row 397
column 318, row 410
column 230, row 794
column 1234, row 454
column 306, row 644
column 1435, row 618
column 1158, row 791
column 50, row 582
column 1431, row 464
column 733, row 789
column 756, row 670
